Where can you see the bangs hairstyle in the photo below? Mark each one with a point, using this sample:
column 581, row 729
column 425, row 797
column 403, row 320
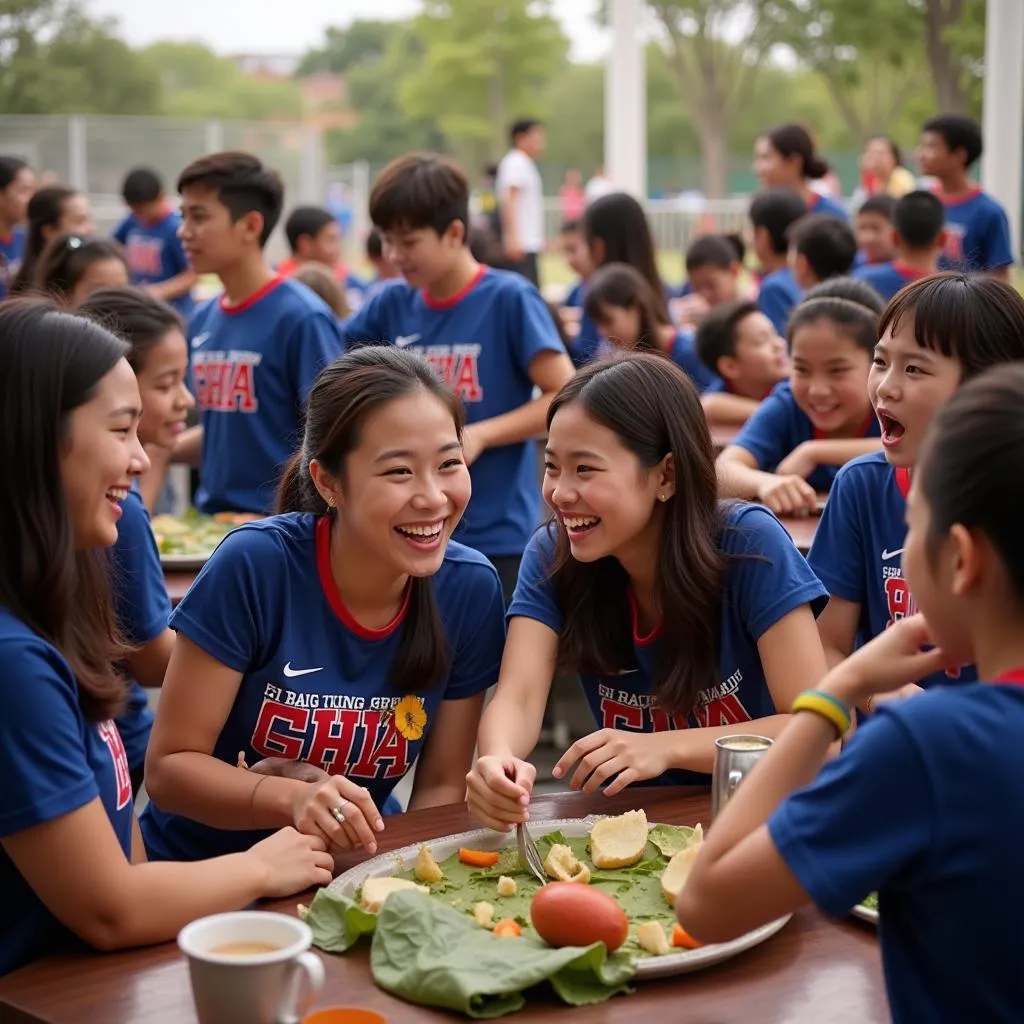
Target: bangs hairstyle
column 242, row 184
column 50, row 364
column 654, row 410
column 66, row 258
column 720, row 251
column 624, row 287
column 975, row 319
column 345, row 394
column 716, row 333
column 420, row 190
column 971, row 469
column 789, row 140
column 850, row 305
column 135, row 315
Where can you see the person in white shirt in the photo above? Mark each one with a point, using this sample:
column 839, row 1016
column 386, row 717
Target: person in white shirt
column 599, row 185
column 521, row 199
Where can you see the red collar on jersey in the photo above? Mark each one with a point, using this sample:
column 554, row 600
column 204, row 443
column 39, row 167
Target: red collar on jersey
column 330, row 589
column 250, row 300
column 903, row 480
column 1013, row 675
column 640, row 641
column 453, row 300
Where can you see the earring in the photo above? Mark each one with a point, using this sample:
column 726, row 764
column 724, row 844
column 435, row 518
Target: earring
column 331, row 501
column 662, row 497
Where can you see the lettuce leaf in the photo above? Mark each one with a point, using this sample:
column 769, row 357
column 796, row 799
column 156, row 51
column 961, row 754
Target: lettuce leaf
column 670, row 839
column 337, row 923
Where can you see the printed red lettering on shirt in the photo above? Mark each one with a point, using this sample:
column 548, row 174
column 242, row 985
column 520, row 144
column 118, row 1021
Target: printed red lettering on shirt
column 122, row 772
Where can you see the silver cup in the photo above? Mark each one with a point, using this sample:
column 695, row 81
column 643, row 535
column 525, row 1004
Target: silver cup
column 735, row 756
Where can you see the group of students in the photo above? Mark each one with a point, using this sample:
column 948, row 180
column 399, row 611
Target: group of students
column 327, row 648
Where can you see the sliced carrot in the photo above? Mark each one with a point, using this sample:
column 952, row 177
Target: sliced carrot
column 682, row 939
column 479, row 858
column 507, row 927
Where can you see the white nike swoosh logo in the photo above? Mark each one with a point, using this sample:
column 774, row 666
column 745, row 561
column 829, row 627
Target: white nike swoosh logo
column 628, row 671
column 404, row 340
column 291, row 673
column 200, row 339
column 886, row 555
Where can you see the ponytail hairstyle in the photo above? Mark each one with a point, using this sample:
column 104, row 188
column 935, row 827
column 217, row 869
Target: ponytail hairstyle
column 790, row 140
column 345, row 394
column 622, row 286
column 45, row 210
column 65, row 260
column 654, row 410
column 135, row 315
column 852, row 306
column 971, row 468
column 720, row 251
column 619, row 224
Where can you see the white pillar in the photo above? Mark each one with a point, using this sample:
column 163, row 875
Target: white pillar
column 1004, row 108
column 625, row 101
column 213, row 137
column 78, row 155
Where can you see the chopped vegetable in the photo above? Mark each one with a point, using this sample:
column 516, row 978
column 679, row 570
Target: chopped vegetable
column 506, row 886
column 479, row 858
column 651, row 937
column 427, row 869
column 483, row 914
column 682, row 938
column 507, row 927
column 563, row 865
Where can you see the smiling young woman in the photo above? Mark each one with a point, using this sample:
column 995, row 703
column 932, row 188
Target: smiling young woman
column 343, row 638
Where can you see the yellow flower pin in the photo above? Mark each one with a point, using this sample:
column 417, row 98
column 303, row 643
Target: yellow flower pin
column 410, row 717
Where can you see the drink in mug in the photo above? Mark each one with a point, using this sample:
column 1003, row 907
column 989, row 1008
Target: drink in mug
column 251, row 966
column 735, row 757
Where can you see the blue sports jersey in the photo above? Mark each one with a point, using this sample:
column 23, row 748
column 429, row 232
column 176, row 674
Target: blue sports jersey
column 857, row 548
column 921, row 808
column 52, row 761
column 583, row 349
column 779, row 425
column 12, row 248
column 143, row 609
column 155, row 253
column 574, row 299
column 314, row 682
column 765, row 579
column 826, row 204
column 252, row 367
column 355, row 289
column 777, row 296
column 888, row 278
column 684, row 354
column 977, row 233
column 481, row 342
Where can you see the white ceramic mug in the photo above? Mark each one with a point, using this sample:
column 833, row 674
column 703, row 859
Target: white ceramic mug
column 256, row 987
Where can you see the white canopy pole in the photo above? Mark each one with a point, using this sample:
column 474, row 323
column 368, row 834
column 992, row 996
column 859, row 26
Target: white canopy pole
column 625, row 101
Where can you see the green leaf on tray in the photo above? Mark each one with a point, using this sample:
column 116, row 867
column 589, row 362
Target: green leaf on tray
column 338, row 923
column 670, row 839
column 428, row 953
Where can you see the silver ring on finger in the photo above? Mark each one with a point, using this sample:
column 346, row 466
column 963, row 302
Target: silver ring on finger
column 337, row 814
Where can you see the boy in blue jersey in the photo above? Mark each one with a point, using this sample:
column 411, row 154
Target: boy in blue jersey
column 920, row 808
column 935, row 334
column 314, row 236
column 156, row 257
column 977, row 231
column 256, row 349
column 383, row 268
column 919, row 218
column 821, row 246
column 771, row 214
column 17, row 183
column 873, row 228
column 738, row 343
column 486, row 332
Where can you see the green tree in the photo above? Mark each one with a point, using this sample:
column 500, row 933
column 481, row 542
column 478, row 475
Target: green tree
column 485, row 63
column 362, row 42
column 954, row 35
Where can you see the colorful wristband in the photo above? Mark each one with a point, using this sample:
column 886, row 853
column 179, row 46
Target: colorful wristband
column 827, row 706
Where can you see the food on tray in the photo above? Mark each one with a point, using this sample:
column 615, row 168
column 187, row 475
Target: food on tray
column 192, row 533
column 619, row 842
column 509, row 928
column 565, row 914
column 427, row 869
column 679, row 867
column 483, row 914
column 563, row 865
column 377, row 890
column 507, row 886
column 479, row 858
column 682, row 939
column 870, row 902
column 651, row 937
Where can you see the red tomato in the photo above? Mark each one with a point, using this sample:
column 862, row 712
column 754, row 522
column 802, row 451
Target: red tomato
column 570, row 914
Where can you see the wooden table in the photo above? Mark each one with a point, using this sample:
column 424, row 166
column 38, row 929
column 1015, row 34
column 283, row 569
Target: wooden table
column 815, row 970
column 177, row 584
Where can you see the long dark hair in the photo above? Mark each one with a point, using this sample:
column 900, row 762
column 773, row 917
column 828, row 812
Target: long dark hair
column 619, row 221
column 971, row 469
column 45, row 209
column 795, row 140
column 352, row 388
column 618, row 284
column 65, row 260
column 50, row 364
column 142, row 320
column 654, row 410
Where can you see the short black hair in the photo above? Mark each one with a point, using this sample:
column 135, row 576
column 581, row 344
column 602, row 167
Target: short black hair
column 827, row 242
column 882, row 205
column 522, row 126
column 142, row 185
column 775, row 210
column 958, row 132
column 242, row 183
column 715, row 251
column 375, row 245
column 420, row 190
column 10, row 168
column 306, row 221
column 919, row 218
column 571, row 226
column 716, row 333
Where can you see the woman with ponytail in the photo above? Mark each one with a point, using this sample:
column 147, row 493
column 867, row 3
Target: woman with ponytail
column 333, row 644
column 785, row 157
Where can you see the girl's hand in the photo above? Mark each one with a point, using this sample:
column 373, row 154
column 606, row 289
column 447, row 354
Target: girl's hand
column 498, row 791
column 313, row 813
column 787, row 495
column 629, row 756
column 801, row 462
column 292, row 862
column 889, row 662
